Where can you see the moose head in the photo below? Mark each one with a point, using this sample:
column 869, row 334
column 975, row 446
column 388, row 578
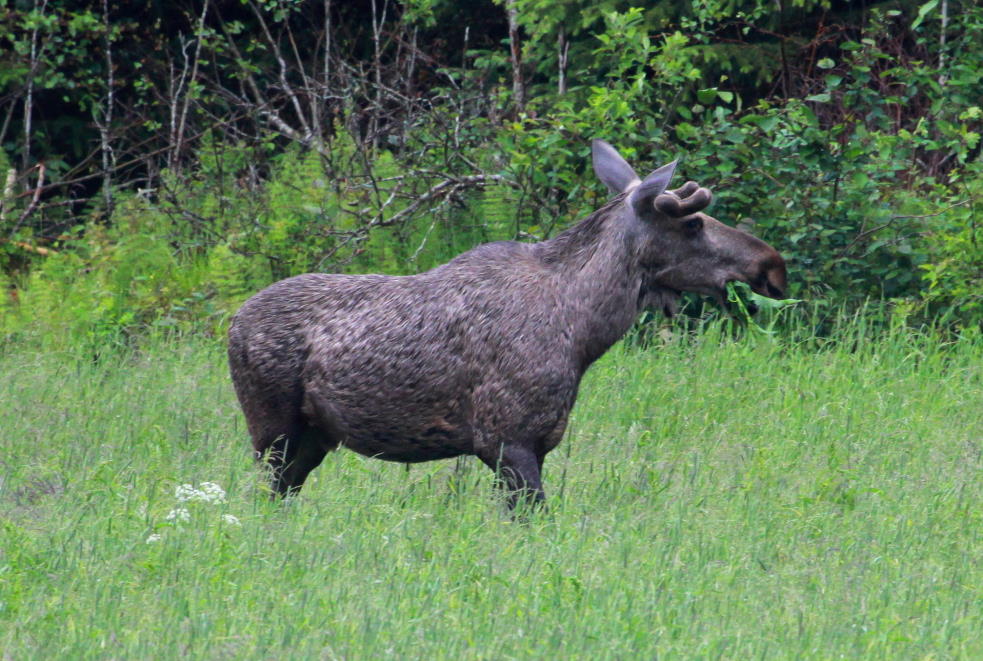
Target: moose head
column 680, row 247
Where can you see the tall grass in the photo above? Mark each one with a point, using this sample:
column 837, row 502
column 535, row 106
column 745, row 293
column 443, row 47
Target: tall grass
column 714, row 498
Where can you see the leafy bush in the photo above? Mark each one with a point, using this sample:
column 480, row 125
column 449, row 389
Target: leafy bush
column 861, row 162
column 953, row 269
column 850, row 182
column 111, row 282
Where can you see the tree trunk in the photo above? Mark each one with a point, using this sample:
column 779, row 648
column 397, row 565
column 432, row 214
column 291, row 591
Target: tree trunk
column 515, row 48
column 29, row 95
column 562, row 50
column 945, row 23
column 108, row 159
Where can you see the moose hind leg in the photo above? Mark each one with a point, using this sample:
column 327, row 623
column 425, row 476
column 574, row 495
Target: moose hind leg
column 518, row 469
column 293, row 457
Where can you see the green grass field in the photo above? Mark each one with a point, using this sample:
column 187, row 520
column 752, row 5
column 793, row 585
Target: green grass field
column 712, row 499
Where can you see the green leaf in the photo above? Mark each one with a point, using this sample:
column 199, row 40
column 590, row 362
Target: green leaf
column 923, row 12
column 768, row 123
column 826, row 63
column 707, row 96
column 685, row 131
column 740, row 294
column 735, row 135
column 742, row 290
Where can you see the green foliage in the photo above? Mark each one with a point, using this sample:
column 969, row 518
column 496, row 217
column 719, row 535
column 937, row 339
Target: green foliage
column 855, row 150
column 821, row 176
column 114, row 282
column 9, row 213
column 831, row 207
column 954, row 267
column 500, row 211
column 234, row 276
column 847, row 182
column 744, row 303
column 190, row 256
column 7, row 292
column 549, row 149
column 300, row 208
column 50, row 46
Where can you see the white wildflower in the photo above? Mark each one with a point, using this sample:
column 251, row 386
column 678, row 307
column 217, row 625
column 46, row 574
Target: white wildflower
column 185, row 492
column 154, row 538
column 231, row 519
column 212, row 493
column 179, row 515
column 208, row 492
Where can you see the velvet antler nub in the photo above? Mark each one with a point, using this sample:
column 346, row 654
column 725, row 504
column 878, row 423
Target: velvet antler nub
column 672, row 204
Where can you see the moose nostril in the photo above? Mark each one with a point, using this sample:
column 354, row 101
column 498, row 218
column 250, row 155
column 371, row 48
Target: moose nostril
column 773, row 291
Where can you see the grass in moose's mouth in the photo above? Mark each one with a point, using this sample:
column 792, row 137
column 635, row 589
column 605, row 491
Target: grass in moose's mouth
column 744, row 303
column 714, row 498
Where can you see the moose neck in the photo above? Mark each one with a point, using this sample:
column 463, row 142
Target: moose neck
column 599, row 278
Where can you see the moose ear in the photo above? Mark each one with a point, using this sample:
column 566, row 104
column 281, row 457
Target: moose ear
column 610, row 168
column 652, row 187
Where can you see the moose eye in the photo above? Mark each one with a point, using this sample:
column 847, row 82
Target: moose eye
column 693, row 224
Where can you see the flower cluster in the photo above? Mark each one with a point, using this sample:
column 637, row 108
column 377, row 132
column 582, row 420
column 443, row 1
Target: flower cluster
column 208, row 493
column 179, row 515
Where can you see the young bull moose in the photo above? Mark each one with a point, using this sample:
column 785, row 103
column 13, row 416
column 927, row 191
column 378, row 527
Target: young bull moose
column 483, row 355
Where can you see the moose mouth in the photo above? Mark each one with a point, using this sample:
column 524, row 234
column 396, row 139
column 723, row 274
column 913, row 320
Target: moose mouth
column 725, row 295
column 721, row 293
column 722, row 297
column 669, row 302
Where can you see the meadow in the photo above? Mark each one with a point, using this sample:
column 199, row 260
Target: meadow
column 785, row 497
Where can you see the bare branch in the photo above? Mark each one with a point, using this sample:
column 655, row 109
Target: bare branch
column 873, row 230
column 515, row 52
column 36, row 52
column 33, row 204
column 446, row 187
column 104, row 123
column 37, row 250
column 287, row 88
column 179, row 129
column 260, row 104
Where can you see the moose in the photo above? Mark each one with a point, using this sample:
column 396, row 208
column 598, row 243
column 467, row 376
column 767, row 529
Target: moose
column 482, row 355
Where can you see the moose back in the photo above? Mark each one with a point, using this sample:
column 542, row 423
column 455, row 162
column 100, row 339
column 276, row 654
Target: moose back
column 483, row 355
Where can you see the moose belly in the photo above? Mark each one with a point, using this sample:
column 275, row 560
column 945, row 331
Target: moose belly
column 430, row 444
column 398, row 427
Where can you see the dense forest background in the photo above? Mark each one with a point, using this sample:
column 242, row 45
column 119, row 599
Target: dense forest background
column 161, row 161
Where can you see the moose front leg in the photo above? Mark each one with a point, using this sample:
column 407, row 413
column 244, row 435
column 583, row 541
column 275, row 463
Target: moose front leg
column 518, row 468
